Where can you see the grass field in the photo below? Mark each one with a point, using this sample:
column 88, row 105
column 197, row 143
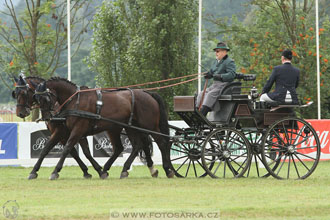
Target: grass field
column 72, row 197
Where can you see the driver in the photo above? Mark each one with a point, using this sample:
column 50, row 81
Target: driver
column 222, row 72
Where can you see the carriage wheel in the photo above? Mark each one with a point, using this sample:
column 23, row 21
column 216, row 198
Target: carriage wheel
column 291, row 149
column 228, row 151
column 186, row 159
column 256, row 167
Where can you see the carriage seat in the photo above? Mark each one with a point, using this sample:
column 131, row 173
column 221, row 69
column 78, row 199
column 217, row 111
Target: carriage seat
column 232, row 91
column 245, row 77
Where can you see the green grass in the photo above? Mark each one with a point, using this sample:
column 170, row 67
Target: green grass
column 72, row 197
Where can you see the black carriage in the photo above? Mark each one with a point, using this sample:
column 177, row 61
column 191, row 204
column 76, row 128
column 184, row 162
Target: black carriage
column 243, row 137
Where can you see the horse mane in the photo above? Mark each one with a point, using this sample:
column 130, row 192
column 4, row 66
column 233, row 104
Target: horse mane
column 57, row 79
column 35, row 77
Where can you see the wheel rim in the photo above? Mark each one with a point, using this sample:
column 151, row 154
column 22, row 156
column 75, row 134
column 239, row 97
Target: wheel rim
column 186, row 158
column 291, row 149
column 229, row 153
column 256, row 167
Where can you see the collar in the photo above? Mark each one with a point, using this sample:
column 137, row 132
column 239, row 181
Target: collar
column 287, row 62
column 225, row 57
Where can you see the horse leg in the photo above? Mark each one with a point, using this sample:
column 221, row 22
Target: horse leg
column 164, row 147
column 146, row 142
column 84, row 145
column 81, row 164
column 73, row 139
column 117, row 149
column 129, row 161
column 136, row 145
column 54, row 139
column 139, row 140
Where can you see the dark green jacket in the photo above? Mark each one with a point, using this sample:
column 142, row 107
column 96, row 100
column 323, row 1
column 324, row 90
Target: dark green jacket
column 225, row 70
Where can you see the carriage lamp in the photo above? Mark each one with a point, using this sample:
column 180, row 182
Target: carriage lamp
column 99, row 103
column 254, row 95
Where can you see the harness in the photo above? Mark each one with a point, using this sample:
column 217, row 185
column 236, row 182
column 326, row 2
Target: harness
column 24, row 88
column 99, row 104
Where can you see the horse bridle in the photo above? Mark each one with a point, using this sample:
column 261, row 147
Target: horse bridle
column 47, row 93
column 25, row 88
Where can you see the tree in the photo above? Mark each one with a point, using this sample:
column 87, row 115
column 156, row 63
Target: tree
column 34, row 36
column 271, row 27
column 143, row 40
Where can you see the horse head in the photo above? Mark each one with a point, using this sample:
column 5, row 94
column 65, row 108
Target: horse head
column 23, row 93
column 46, row 100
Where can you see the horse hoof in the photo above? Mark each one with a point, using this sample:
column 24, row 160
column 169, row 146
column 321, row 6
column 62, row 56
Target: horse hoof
column 170, row 174
column 155, row 174
column 88, row 176
column 54, row 176
column 104, row 175
column 33, row 176
column 123, row 175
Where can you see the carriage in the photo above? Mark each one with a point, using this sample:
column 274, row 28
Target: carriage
column 243, row 137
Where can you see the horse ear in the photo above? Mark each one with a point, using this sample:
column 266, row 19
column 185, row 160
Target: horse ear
column 44, row 87
column 15, row 78
column 41, row 87
column 13, row 94
column 34, row 85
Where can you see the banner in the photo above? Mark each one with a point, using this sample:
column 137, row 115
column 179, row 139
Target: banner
column 32, row 137
column 102, row 146
column 8, row 141
column 322, row 128
column 39, row 140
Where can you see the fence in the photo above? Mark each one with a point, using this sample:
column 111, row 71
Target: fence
column 6, row 116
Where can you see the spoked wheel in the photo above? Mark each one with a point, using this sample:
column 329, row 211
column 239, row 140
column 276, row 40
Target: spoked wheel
column 229, row 153
column 186, row 158
column 291, row 149
column 256, row 167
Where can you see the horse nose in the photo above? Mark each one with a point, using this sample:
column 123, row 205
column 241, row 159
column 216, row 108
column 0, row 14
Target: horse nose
column 21, row 115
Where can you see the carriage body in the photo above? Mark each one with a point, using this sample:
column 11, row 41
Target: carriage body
column 234, row 110
column 271, row 136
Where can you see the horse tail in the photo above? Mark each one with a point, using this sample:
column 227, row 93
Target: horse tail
column 164, row 129
column 163, row 120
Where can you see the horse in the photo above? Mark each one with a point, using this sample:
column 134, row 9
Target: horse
column 23, row 93
column 121, row 107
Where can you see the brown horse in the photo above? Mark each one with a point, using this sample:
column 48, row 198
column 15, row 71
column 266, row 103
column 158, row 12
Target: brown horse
column 23, row 93
column 142, row 109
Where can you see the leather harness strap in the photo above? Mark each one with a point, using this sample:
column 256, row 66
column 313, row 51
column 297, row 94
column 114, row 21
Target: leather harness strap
column 99, row 102
column 132, row 109
column 77, row 101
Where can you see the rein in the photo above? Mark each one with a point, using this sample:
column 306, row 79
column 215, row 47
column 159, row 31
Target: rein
column 136, row 85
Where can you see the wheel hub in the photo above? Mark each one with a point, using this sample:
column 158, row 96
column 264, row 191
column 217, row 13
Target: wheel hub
column 226, row 154
column 256, row 149
column 194, row 154
column 291, row 149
